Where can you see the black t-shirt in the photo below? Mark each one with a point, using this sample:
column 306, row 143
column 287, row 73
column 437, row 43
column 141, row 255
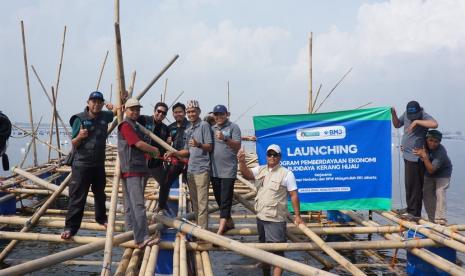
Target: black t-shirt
column 441, row 163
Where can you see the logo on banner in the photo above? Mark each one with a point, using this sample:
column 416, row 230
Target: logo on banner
column 321, row 133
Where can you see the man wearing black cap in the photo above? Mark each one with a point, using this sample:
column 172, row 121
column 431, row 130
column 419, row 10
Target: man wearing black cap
column 437, row 176
column 89, row 136
column 416, row 123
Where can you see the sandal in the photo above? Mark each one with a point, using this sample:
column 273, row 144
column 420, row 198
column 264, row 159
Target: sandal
column 67, row 235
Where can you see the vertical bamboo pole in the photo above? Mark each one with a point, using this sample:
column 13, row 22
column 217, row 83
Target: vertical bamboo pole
column 164, row 90
column 150, row 270
column 310, row 74
column 54, row 95
column 119, row 70
column 176, row 249
column 106, row 267
column 35, row 218
column 56, row 88
column 30, row 144
column 131, row 85
column 198, row 264
column 28, row 90
column 145, row 260
column 101, row 71
column 207, row 266
column 117, row 11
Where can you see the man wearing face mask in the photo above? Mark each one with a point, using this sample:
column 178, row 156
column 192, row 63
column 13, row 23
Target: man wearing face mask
column 89, row 136
column 155, row 124
column 416, row 123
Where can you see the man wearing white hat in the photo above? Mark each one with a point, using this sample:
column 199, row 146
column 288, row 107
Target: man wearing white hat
column 273, row 183
column 132, row 152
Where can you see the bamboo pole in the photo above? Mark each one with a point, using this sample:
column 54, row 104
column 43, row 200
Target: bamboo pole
column 425, row 231
column 207, row 266
column 28, row 90
column 175, row 100
column 177, row 243
column 124, row 262
column 131, row 85
column 14, row 180
column 155, row 79
column 63, row 125
column 243, row 249
column 101, row 70
column 229, row 107
column 444, row 230
column 119, row 69
column 150, row 270
column 198, row 264
column 316, row 98
column 133, row 266
column 106, row 266
column 145, row 260
column 164, row 90
column 35, row 218
column 310, row 73
column 332, row 90
column 117, row 11
column 54, row 94
column 425, row 255
column 68, row 254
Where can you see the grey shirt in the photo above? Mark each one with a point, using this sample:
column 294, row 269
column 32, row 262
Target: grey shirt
column 415, row 139
column 199, row 160
column 441, row 163
column 224, row 160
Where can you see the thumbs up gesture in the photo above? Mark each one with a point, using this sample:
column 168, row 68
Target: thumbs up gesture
column 83, row 133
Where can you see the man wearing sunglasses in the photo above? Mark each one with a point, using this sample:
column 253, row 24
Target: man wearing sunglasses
column 273, row 183
column 155, row 124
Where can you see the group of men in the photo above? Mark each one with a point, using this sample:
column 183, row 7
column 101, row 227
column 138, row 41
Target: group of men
column 203, row 154
column 428, row 168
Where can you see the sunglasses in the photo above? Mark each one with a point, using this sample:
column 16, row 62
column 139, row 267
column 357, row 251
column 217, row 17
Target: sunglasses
column 161, row 112
column 272, row 154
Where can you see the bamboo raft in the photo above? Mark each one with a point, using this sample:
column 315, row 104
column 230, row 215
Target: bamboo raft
column 193, row 258
column 375, row 238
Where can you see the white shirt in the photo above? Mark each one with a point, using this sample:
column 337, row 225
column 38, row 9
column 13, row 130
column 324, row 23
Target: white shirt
column 288, row 181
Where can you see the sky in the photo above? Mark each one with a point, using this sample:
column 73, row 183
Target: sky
column 398, row 50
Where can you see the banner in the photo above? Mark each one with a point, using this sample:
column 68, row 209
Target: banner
column 341, row 160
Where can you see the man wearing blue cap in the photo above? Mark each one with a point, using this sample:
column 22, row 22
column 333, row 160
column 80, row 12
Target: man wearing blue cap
column 227, row 142
column 416, row 123
column 89, row 137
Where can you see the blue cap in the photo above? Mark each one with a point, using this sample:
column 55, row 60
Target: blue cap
column 220, row 109
column 96, row 95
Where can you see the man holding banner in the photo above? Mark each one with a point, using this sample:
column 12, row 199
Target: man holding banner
column 274, row 183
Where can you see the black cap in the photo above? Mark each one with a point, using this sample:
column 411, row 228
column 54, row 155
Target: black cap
column 414, row 110
column 436, row 134
column 96, row 95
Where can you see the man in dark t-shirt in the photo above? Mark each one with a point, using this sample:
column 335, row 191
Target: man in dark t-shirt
column 437, row 176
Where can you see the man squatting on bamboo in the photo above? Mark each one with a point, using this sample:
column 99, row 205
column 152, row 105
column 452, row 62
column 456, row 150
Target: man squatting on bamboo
column 198, row 148
column 438, row 170
column 89, row 135
column 273, row 183
column 227, row 142
column 132, row 152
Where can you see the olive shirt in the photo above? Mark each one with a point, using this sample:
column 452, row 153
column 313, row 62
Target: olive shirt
column 199, row 160
column 224, row 160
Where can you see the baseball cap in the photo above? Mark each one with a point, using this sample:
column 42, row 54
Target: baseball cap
column 274, row 148
column 413, row 110
column 97, row 95
column 220, row 109
column 132, row 102
column 436, row 134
